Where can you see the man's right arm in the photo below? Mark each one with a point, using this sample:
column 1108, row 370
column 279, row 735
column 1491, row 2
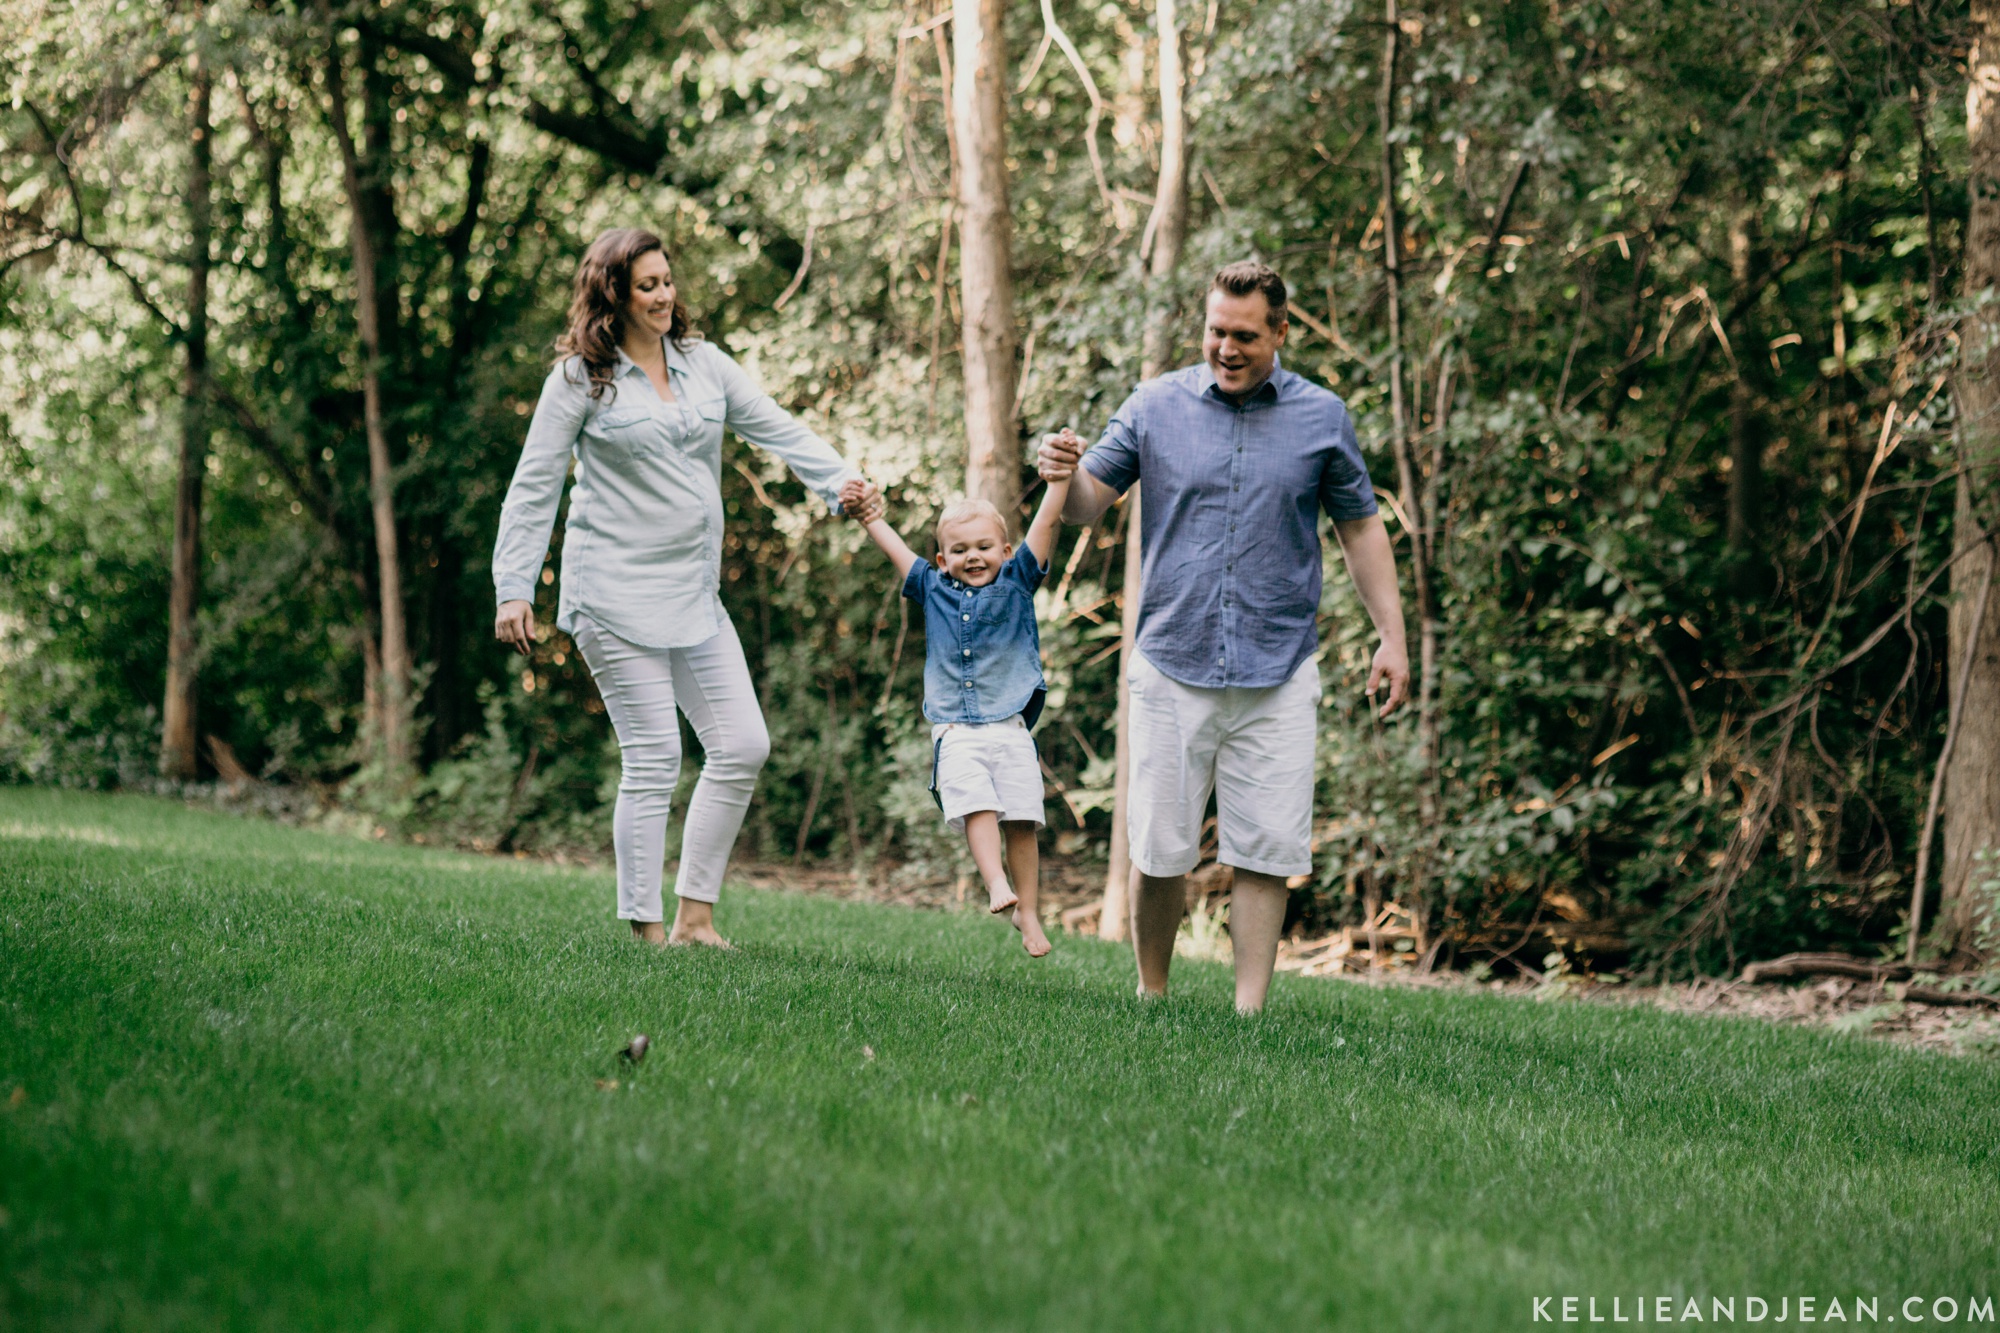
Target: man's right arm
column 1089, row 495
column 1088, row 498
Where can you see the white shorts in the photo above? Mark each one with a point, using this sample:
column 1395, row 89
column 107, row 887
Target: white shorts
column 987, row 766
column 1252, row 748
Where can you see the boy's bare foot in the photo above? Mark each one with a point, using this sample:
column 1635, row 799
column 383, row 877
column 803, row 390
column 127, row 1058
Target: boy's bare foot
column 650, row 932
column 1032, row 939
column 996, row 903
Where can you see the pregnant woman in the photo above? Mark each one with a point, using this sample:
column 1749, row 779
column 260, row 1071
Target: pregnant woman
column 640, row 404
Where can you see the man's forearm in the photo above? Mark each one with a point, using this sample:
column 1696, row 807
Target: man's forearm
column 1088, row 498
column 1371, row 563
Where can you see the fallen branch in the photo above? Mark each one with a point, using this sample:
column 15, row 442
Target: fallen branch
column 1823, row 965
column 1970, row 999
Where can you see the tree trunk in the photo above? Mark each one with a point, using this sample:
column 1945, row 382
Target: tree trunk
column 392, row 717
column 1408, row 475
column 178, row 731
column 985, row 251
column 1746, row 449
column 1114, row 916
column 1165, row 233
column 1747, row 457
column 1972, row 776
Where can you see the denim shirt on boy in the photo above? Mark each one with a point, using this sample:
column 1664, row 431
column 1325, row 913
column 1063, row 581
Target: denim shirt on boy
column 982, row 654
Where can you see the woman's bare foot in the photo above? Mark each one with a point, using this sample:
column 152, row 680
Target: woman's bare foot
column 650, row 932
column 694, row 923
column 1032, row 939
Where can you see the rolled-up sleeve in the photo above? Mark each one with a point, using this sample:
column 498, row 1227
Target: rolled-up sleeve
column 1345, row 492
column 529, row 514
column 756, row 417
column 1114, row 459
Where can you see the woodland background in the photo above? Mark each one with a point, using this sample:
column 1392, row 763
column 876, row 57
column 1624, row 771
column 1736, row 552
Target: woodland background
column 1666, row 328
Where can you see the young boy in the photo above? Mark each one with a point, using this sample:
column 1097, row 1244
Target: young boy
column 983, row 685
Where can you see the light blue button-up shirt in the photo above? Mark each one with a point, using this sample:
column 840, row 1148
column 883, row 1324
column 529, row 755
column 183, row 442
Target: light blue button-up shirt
column 642, row 552
column 1230, row 524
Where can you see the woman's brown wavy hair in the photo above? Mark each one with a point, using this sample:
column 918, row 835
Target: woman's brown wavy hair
column 603, row 285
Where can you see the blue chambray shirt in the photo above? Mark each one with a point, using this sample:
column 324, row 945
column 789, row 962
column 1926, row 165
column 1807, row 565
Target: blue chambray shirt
column 982, row 652
column 1230, row 524
column 642, row 553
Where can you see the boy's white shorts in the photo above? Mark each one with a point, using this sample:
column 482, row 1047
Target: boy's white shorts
column 987, row 766
column 1252, row 747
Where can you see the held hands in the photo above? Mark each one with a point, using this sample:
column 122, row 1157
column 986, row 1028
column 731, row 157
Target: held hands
column 861, row 500
column 1057, row 458
column 1392, row 663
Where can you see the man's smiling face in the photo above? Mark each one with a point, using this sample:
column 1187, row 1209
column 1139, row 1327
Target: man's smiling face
column 1239, row 344
column 973, row 549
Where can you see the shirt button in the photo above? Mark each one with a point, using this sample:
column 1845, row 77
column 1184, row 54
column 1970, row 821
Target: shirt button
column 966, row 617
column 967, row 653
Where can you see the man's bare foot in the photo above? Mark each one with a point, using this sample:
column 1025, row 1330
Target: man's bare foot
column 996, row 903
column 650, row 932
column 1032, row 938
column 704, row 935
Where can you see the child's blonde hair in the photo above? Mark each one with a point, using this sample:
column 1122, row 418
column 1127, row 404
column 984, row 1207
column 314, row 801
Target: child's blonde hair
column 963, row 508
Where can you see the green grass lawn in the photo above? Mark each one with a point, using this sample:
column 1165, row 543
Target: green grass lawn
column 281, row 1080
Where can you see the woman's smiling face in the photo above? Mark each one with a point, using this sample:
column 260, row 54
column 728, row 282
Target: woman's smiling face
column 649, row 303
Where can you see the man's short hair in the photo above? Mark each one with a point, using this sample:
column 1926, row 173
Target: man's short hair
column 1246, row 276
column 959, row 510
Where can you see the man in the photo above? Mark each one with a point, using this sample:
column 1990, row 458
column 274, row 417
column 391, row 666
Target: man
column 1239, row 457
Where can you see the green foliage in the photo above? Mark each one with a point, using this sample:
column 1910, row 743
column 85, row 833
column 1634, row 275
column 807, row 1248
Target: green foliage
column 1645, row 248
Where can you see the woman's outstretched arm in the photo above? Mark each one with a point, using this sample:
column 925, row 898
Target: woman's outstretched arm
column 756, row 417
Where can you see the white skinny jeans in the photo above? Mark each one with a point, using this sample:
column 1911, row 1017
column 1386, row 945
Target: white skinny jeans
column 710, row 682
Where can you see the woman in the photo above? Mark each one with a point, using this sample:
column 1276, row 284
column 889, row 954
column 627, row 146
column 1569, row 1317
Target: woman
column 640, row 404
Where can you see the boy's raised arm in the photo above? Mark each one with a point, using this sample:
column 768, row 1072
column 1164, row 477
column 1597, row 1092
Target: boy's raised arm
column 870, row 512
column 1042, row 532
column 899, row 552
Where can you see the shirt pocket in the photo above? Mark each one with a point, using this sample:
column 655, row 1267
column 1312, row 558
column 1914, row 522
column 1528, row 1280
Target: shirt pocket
column 629, row 429
column 697, row 433
column 1000, row 606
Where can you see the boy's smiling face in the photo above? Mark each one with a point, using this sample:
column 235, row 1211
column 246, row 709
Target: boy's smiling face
column 973, row 549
